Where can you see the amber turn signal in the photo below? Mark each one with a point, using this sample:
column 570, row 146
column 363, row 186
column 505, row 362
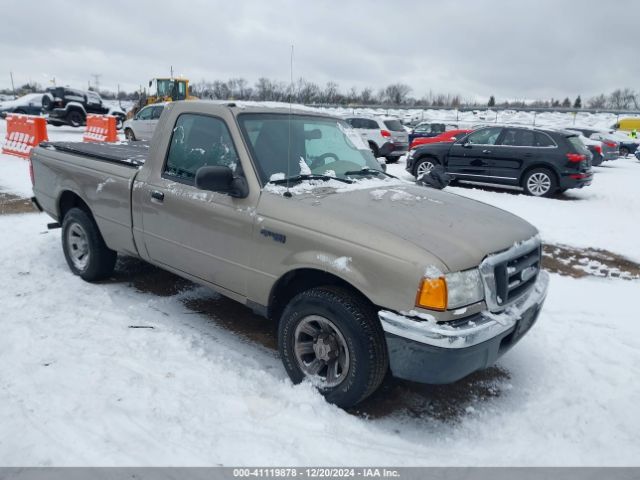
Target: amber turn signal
column 432, row 294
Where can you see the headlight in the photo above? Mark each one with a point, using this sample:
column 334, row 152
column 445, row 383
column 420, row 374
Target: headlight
column 453, row 290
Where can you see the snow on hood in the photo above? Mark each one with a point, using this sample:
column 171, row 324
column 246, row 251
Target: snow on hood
column 386, row 214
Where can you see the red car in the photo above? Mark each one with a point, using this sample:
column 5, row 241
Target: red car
column 448, row 136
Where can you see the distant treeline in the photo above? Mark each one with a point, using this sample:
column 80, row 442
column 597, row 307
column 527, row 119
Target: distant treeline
column 396, row 94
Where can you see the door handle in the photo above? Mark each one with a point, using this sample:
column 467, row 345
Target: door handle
column 486, row 151
column 157, row 195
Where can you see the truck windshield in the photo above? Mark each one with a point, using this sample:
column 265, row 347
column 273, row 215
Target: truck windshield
column 284, row 146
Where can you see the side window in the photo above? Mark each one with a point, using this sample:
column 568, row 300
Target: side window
column 437, row 128
column 518, row 138
column 144, row 114
column 199, row 141
column 544, row 140
column 423, row 128
column 157, row 111
column 486, row 136
column 355, row 122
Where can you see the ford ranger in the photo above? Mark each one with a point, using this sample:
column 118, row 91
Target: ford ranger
column 288, row 212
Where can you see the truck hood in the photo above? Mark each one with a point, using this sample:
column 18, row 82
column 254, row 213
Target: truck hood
column 459, row 231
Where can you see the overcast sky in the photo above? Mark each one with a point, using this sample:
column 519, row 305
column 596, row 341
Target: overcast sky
column 511, row 49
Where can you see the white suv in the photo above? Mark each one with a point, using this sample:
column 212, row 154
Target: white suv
column 386, row 136
column 143, row 124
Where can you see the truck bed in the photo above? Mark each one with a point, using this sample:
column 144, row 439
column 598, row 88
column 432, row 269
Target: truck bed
column 133, row 154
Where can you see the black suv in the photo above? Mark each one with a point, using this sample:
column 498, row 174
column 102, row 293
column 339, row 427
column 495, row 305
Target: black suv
column 67, row 106
column 540, row 161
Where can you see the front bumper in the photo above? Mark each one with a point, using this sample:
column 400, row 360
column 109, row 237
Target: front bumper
column 431, row 352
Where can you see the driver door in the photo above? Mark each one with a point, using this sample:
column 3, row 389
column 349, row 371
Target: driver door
column 473, row 159
column 204, row 234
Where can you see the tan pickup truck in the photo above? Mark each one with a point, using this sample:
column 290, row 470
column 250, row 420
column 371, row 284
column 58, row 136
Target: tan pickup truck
column 288, row 212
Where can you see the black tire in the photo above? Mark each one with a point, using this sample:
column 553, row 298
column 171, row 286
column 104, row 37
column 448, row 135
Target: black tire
column 129, row 135
column 75, row 118
column 374, row 149
column 624, row 151
column 357, row 322
column 46, row 102
column 20, row 111
column 423, row 163
column 540, row 182
column 119, row 122
column 100, row 259
column 392, row 159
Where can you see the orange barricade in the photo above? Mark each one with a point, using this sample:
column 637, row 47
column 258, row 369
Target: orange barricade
column 100, row 128
column 23, row 133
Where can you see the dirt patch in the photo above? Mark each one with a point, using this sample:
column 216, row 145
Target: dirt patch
column 582, row 262
column 447, row 403
column 237, row 318
column 12, row 204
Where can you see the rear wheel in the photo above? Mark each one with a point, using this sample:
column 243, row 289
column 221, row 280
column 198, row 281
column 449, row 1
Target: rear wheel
column 75, row 118
column 624, row 151
column 333, row 338
column 540, row 182
column 392, row 159
column 84, row 249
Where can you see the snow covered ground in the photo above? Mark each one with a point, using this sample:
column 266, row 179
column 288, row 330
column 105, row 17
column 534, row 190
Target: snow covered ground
column 79, row 386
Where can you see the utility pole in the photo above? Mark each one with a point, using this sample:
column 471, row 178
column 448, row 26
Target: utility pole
column 96, row 81
column 171, row 68
column 13, row 87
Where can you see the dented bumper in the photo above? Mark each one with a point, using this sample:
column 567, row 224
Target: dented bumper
column 431, row 352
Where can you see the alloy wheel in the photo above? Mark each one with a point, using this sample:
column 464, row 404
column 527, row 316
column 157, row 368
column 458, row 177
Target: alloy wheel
column 321, row 350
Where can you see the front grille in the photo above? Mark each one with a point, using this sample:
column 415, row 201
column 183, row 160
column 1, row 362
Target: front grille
column 515, row 276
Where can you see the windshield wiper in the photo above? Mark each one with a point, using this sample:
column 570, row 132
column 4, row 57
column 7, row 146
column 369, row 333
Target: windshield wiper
column 368, row 171
column 307, row 176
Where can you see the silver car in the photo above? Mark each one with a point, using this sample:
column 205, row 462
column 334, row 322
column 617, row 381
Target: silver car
column 143, row 124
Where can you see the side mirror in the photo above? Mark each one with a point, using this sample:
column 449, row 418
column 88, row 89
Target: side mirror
column 221, row 179
column 466, row 144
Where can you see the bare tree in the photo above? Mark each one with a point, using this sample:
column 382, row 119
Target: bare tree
column 396, row 93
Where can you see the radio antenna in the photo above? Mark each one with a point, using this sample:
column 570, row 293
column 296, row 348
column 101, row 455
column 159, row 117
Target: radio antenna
column 288, row 193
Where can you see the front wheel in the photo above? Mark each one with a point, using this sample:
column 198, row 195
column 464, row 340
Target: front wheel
column 84, row 249
column 129, row 135
column 333, row 338
column 423, row 167
column 540, row 182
